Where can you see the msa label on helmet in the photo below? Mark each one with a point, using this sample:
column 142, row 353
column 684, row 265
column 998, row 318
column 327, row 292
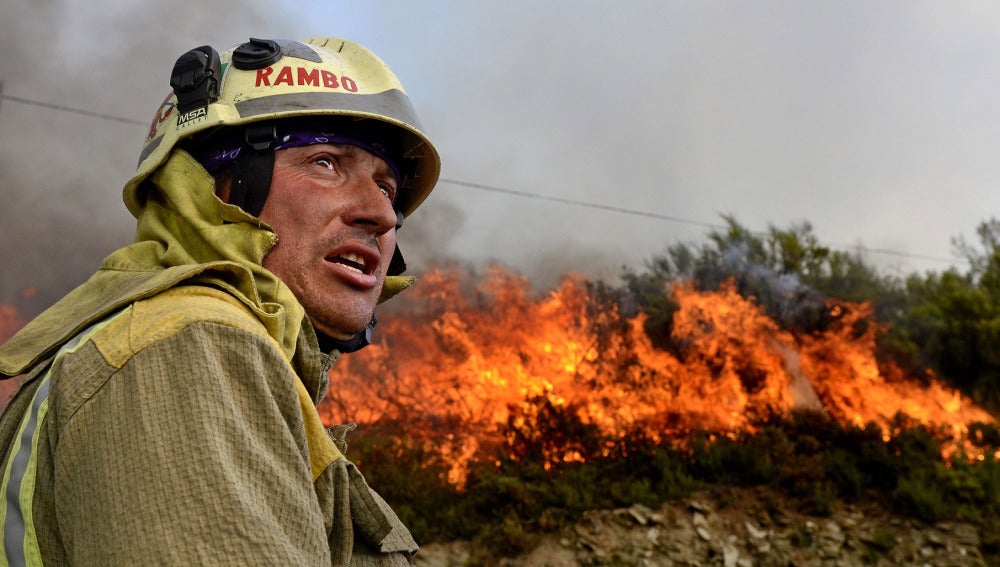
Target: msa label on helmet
column 192, row 115
column 304, row 77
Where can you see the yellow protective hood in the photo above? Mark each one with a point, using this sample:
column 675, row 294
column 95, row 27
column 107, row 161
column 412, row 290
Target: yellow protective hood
column 184, row 234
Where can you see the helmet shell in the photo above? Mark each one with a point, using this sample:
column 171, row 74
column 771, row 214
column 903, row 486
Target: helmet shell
column 317, row 77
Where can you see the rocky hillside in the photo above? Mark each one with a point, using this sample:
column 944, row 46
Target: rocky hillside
column 737, row 528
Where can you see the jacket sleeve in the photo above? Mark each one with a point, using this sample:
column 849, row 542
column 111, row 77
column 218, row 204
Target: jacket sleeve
column 192, row 452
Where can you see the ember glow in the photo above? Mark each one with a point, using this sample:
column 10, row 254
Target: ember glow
column 468, row 358
column 10, row 321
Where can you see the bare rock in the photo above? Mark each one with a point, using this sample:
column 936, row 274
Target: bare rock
column 731, row 530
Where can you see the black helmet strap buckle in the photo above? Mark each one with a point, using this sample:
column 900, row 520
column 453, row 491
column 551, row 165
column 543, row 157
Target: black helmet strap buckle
column 254, row 168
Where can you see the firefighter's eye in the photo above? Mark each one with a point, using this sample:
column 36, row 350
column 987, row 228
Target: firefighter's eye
column 325, row 162
column 389, row 191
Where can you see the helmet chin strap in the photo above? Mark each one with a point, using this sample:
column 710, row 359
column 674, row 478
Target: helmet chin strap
column 254, row 168
column 344, row 346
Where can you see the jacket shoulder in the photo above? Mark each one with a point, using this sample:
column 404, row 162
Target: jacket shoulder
column 168, row 313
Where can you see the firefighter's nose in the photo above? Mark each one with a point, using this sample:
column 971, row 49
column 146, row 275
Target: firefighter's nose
column 372, row 208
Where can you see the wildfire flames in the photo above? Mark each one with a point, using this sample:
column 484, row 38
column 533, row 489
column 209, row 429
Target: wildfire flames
column 465, row 360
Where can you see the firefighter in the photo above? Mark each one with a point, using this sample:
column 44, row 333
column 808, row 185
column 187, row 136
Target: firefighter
column 168, row 410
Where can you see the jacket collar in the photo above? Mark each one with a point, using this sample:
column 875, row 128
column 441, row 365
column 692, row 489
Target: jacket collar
column 184, row 234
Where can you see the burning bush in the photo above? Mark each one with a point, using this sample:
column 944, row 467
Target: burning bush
column 472, row 363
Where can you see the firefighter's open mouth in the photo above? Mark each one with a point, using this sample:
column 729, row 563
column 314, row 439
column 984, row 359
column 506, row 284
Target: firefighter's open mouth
column 353, row 262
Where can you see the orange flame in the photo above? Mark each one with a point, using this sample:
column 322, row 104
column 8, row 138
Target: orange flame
column 464, row 358
column 10, row 321
column 466, row 361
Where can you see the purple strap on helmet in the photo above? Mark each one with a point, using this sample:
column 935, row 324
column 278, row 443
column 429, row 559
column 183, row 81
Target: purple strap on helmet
column 218, row 158
column 215, row 159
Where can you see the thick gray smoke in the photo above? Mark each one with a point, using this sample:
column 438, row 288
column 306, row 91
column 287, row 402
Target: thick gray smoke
column 61, row 173
column 793, row 303
column 872, row 121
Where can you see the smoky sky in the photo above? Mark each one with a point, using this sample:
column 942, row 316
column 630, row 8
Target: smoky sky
column 61, row 173
column 876, row 122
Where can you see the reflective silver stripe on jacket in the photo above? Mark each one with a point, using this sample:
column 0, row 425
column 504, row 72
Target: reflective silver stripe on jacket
column 20, row 543
column 13, row 482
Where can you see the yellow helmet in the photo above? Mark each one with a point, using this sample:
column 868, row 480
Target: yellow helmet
column 268, row 81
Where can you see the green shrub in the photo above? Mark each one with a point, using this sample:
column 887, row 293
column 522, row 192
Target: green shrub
column 988, row 473
column 508, row 538
column 822, row 501
column 506, row 503
column 634, row 491
column 727, row 461
column 840, row 467
column 921, row 495
column 672, row 477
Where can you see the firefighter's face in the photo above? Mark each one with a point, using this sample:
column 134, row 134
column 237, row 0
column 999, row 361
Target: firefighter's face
column 331, row 206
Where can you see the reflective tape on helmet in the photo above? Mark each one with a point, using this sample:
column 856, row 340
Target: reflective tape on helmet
column 390, row 104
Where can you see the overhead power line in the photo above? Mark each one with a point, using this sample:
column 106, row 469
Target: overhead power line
column 71, row 110
column 888, row 252
column 505, row 190
column 565, row 201
column 669, row 218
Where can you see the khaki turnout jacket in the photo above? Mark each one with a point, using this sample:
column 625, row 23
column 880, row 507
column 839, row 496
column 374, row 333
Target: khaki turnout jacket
column 168, row 415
